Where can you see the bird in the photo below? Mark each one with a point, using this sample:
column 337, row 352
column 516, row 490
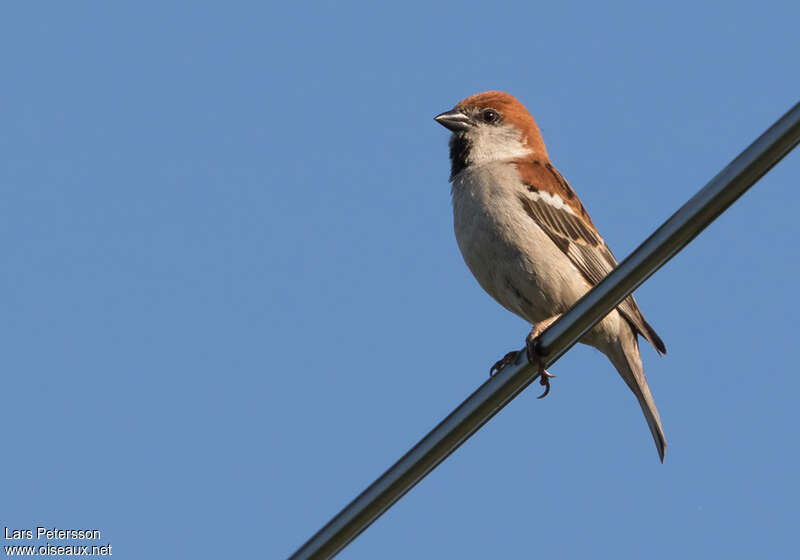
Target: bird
column 528, row 240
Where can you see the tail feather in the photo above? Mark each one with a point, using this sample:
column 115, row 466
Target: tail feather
column 625, row 357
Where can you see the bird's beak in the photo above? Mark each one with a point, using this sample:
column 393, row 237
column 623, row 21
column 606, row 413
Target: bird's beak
column 454, row 120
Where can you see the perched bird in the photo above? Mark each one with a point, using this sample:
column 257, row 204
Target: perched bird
column 529, row 241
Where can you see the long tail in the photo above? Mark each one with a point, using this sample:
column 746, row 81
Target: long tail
column 625, row 357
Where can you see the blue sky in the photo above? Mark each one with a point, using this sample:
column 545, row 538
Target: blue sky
column 232, row 296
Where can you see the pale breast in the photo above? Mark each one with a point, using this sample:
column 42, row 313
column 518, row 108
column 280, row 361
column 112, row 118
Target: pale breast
column 510, row 256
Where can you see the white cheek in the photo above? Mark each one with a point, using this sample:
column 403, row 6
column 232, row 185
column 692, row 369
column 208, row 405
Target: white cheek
column 491, row 143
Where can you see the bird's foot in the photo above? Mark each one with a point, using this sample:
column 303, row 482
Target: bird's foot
column 533, row 356
column 506, row 360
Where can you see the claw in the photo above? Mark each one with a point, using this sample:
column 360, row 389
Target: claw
column 544, row 381
column 502, row 362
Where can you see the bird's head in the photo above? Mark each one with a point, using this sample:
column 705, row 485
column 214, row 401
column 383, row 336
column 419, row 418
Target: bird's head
column 488, row 127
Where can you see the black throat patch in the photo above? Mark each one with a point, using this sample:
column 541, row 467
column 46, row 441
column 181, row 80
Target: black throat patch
column 459, row 152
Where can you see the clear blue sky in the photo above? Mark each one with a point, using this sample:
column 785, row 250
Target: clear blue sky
column 232, row 297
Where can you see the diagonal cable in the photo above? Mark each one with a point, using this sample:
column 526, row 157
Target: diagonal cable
column 487, row 400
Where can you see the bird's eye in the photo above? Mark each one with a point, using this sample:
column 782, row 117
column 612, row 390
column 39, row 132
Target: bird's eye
column 490, row 116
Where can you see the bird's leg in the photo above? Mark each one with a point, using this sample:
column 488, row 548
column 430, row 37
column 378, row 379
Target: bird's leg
column 533, row 356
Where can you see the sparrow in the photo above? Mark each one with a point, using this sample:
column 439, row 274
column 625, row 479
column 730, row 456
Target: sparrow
column 528, row 240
